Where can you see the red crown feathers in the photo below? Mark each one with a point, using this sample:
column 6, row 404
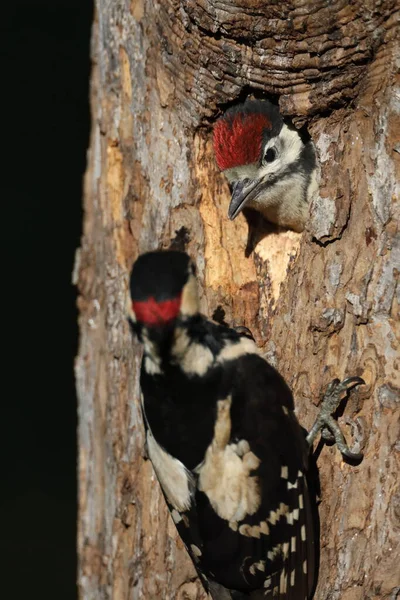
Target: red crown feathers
column 152, row 312
column 238, row 139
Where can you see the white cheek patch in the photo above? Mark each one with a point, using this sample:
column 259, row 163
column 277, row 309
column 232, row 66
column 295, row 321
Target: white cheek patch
column 190, row 298
column 175, row 480
column 226, row 477
column 289, row 146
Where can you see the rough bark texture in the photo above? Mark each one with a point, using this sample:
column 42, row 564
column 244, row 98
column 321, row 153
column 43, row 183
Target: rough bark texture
column 321, row 304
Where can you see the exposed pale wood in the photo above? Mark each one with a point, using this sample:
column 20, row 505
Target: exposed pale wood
column 321, row 304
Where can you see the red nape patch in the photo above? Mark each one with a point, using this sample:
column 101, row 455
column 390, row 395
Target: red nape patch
column 151, row 312
column 238, row 140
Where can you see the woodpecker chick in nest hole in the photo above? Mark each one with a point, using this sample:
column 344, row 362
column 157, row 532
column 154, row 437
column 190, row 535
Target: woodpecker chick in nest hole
column 226, row 446
column 270, row 167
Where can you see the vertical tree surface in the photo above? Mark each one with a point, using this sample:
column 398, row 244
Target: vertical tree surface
column 321, row 304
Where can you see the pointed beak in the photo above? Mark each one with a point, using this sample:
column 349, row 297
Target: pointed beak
column 241, row 194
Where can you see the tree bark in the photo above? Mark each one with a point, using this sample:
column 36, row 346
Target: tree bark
column 321, row 304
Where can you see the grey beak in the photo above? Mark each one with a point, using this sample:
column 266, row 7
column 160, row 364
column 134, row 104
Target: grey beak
column 241, row 191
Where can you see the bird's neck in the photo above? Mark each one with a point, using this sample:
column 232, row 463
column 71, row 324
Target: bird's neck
column 171, row 346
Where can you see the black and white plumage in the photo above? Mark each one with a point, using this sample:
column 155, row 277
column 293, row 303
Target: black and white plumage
column 225, row 444
column 271, row 167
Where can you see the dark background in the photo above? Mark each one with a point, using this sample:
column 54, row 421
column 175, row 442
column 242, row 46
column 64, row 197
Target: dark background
column 44, row 133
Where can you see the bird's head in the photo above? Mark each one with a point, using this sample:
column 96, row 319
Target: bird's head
column 266, row 162
column 163, row 289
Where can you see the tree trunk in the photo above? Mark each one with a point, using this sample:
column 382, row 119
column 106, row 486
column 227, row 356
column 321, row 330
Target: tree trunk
column 321, row 304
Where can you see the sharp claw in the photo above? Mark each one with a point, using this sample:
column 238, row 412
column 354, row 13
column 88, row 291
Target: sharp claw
column 351, row 455
column 325, row 421
column 353, row 381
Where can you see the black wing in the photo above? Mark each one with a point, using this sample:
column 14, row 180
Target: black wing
column 270, row 548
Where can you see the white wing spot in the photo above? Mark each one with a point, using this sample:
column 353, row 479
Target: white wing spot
column 303, row 533
column 244, row 530
column 285, row 410
column 301, row 505
column 292, row 486
column 284, row 472
column 292, row 577
column 260, row 565
column 296, row 514
column 176, row 517
column 274, row 552
column 305, row 567
column 286, row 549
column 274, row 516
column 196, row 551
column 283, row 582
column 267, row 582
column 250, row 531
column 293, row 544
column 264, row 528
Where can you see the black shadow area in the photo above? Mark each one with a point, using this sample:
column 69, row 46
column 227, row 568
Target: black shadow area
column 44, row 134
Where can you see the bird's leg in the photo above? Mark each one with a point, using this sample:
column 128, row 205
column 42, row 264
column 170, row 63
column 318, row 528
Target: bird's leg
column 325, row 422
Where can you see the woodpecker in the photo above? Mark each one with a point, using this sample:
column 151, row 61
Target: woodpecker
column 270, row 167
column 225, row 444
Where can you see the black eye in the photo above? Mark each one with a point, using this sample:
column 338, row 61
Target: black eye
column 270, row 155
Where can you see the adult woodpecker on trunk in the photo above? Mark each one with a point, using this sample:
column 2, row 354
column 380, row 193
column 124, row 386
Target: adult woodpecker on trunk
column 269, row 165
column 227, row 449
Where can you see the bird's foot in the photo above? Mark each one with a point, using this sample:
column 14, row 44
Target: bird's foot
column 325, row 422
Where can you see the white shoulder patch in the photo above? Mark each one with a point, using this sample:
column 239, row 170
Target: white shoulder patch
column 173, row 476
column 234, row 350
column 225, row 475
column 194, row 359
